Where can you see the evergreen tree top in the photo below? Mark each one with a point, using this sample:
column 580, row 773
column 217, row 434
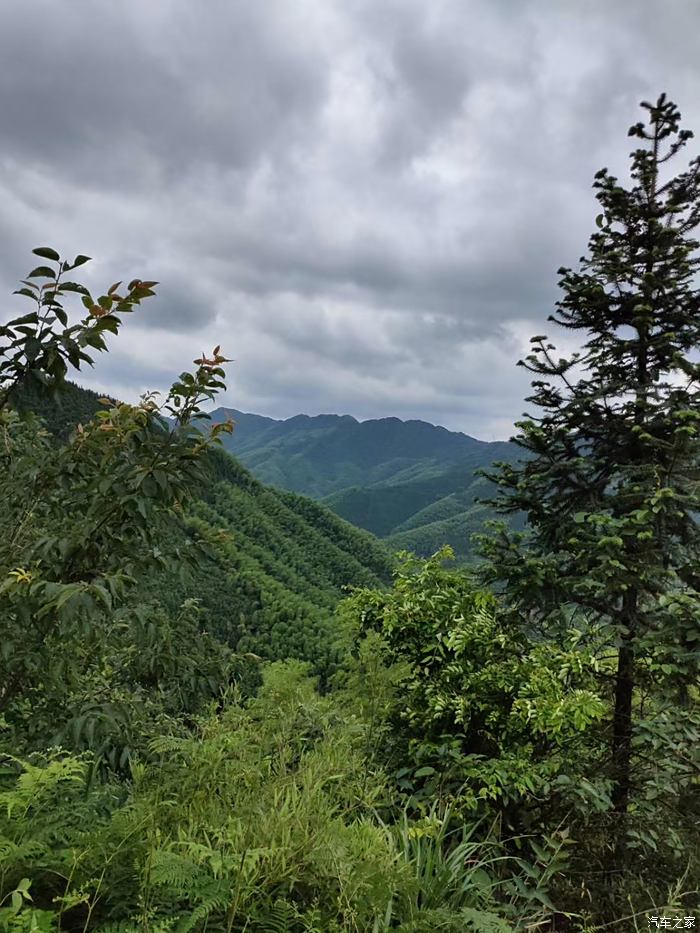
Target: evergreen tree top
column 611, row 486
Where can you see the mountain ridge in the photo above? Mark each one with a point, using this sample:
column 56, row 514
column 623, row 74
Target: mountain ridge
column 399, row 479
column 239, row 416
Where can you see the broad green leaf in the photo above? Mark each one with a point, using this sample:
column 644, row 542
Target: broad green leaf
column 46, row 253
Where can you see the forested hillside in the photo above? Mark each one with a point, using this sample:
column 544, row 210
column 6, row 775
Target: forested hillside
column 276, row 563
column 191, row 739
column 410, row 482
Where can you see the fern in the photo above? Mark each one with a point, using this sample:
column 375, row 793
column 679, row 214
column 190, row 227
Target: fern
column 213, row 897
column 483, row 921
column 173, row 870
column 467, row 920
column 278, row 917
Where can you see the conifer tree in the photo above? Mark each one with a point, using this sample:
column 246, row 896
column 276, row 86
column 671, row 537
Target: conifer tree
column 609, row 483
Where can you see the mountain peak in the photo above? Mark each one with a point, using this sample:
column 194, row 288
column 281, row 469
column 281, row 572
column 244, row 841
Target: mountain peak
column 411, row 481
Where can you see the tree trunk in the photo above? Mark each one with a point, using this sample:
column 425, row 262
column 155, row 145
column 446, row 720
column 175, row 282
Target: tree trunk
column 622, row 728
column 622, row 724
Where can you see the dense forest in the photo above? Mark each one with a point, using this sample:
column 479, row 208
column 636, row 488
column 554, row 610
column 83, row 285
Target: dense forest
column 414, row 484
column 202, row 728
column 272, row 565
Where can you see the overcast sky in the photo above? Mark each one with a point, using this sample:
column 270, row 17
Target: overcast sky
column 365, row 202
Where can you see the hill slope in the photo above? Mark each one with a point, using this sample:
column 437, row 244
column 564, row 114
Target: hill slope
column 410, row 482
column 278, row 562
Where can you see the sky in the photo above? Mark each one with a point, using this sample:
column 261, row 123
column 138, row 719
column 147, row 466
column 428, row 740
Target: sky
column 364, row 202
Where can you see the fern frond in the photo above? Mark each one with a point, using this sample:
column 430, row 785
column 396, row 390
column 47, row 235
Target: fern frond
column 277, row 918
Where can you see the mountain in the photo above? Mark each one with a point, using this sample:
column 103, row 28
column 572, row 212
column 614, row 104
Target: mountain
column 278, row 562
column 410, row 482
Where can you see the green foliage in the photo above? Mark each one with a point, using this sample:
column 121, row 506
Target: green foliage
column 484, row 713
column 38, row 347
column 119, row 480
column 396, row 479
column 19, row 915
column 445, row 757
column 611, row 494
column 61, row 411
column 265, row 818
column 271, row 566
column 257, row 815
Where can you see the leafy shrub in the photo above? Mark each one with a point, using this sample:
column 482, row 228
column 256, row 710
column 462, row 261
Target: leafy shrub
column 484, row 715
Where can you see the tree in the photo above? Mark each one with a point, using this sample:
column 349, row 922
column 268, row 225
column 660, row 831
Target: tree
column 79, row 520
column 611, row 487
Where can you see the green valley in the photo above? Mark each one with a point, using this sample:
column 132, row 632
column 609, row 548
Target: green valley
column 412, row 483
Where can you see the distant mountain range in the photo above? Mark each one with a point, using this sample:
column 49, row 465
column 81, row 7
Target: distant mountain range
column 409, row 482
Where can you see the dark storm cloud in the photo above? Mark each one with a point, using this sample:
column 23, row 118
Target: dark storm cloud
column 119, row 94
column 364, row 201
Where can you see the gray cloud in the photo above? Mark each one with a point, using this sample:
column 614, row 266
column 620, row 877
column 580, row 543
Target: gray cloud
column 364, row 201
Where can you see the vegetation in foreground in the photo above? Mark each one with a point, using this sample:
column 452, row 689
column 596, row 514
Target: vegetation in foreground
column 522, row 756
